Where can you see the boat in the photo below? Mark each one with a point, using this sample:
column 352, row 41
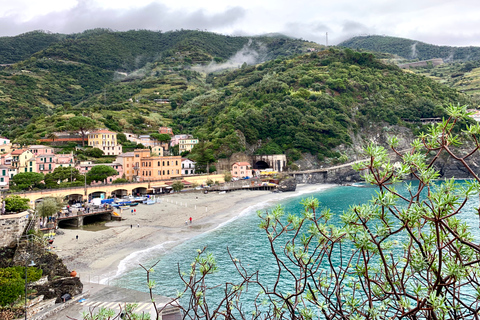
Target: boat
column 139, row 199
column 149, row 202
column 133, row 204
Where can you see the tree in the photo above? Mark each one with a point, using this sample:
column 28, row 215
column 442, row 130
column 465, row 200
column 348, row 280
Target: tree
column 16, row 204
column 100, row 173
column 177, row 186
column 202, row 154
column 82, row 124
column 94, row 152
column 227, row 176
column 61, row 175
column 49, row 207
column 27, row 180
column 162, row 137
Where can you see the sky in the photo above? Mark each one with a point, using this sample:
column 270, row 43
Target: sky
column 440, row 22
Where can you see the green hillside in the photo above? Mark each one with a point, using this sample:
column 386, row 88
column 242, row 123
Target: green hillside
column 411, row 49
column 81, row 66
column 21, row 47
column 304, row 103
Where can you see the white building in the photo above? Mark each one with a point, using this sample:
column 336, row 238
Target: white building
column 188, row 167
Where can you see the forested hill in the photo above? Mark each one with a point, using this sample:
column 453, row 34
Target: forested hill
column 130, row 50
column 304, row 103
column 411, row 49
column 21, row 47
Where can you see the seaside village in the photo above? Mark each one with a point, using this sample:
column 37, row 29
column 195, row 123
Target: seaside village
column 61, row 189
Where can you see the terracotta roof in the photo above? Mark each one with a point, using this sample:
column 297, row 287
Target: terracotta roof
column 19, row 151
column 242, row 163
column 103, row 131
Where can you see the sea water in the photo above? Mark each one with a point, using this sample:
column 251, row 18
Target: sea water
column 244, row 240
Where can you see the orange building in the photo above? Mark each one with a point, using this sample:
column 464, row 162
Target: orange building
column 139, row 165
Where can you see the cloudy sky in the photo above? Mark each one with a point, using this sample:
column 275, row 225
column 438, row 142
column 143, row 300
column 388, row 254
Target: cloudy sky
column 441, row 22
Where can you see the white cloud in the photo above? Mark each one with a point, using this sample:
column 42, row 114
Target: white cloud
column 439, row 22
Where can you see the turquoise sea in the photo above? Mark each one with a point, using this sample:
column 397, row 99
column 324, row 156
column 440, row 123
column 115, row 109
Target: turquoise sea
column 247, row 242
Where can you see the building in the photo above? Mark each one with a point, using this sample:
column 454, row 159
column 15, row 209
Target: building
column 106, row 141
column 188, row 167
column 45, row 163
column 5, row 145
column 39, row 150
column 86, row 166
column 65, row 159
column 158, row 150
column 186, row 144
column 6, row 159
column 140, row 165
column 23, row 160
column 4, row 177
column 176, row 139
column 165, row 130
column 241, row 170
column 146, row 141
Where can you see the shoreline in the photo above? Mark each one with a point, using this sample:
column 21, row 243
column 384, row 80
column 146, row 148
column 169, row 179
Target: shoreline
column 100, row 256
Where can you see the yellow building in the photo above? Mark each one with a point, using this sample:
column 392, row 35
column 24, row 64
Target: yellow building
column 139, row 165
column 106, row 141
column 23, row 160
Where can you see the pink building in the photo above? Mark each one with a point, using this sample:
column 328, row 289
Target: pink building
column 86, row 166
column 242, row 170
column 165, row 130
column 41, row 150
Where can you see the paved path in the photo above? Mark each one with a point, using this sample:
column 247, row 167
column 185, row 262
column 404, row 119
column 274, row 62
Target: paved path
column 111, row 298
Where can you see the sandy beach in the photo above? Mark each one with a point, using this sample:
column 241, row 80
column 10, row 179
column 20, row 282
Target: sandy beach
column 97, row 256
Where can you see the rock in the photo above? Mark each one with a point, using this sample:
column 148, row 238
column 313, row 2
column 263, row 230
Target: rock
column 56, row 288
column 287, row 184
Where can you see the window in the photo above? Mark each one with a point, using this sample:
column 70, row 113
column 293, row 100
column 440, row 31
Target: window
column 163, row 172
column 163, row 163
column 168, row 163
column 30, row 169
column 1, row 179
column 3, row 172
column 176, row 163
column 168, row 172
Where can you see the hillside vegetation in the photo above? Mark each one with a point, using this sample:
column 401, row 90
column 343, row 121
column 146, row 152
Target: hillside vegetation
column 411, row 49
column 81, row 66
column 289, row 104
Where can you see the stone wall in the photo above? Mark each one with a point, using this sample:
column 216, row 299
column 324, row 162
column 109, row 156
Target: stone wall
column 12, row 227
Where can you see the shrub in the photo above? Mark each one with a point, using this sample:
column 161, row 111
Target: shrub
column 12, row 286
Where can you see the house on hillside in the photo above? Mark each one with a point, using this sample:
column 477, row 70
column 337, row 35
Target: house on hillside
column 106, row 141
column 242, row 170
column 186, row 144
column 23, row 160
column 86, row 166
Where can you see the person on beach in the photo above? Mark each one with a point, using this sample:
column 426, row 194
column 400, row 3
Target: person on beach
column 76, row 237
column 138, row 225
column 191, row 220
column 131, row 226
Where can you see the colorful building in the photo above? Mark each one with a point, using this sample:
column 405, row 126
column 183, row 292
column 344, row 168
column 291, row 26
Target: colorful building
column 241, row 170
column 39, row 150
column 140, row 165
column 165, row 130
column 106, row 141
column 23, row 160
column 186, row 144
column 188, row 166
column 5, row 145
column 176, row 139
column 4, row 177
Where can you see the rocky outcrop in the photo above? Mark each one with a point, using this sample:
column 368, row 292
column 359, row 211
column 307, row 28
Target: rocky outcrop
column 56, row 288
column 59, row 281
column 287, row 184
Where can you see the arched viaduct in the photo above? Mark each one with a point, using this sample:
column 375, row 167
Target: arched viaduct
column 120, row 189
